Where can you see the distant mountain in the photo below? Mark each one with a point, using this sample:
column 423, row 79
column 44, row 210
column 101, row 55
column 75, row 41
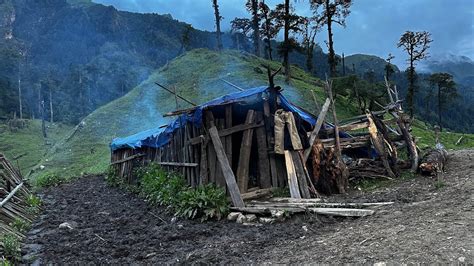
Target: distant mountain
column 362, row 63
column 461, row 67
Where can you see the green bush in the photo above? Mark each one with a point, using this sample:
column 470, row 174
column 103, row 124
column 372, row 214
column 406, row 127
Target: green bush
column 112, row 179
column 11, row 246
column 207, row 202
column 20, row 225
column 49, row 180
column 5, row 262
column 170, row 190
column 34, row 204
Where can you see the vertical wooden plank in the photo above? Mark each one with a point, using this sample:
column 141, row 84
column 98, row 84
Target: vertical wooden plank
column 263, row 160
column 220, row 180
column 244, row 156
column 292, row 179
column 228, row 139
column 203, row 173
column 226, row 170
column 300, row 175
column 270, row 142
column 211, row 153
column 379, row 145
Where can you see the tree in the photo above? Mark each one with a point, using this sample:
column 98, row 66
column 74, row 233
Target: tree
column 446, row 90
column 240, row 29
column 186, row 38
column 268, row 28
column 310, row 27
column 334, row 11
column 416, row 44
column 291, row 23
column 218, row 18
column 389, row 67
column 253, row 8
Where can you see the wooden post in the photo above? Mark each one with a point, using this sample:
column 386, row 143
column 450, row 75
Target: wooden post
column 263, row 161
column 220, row 180
column 226, row 169
column 228, row 139
column 270, row 142
column 379, row 145
column 301, row 175
column 244, row 158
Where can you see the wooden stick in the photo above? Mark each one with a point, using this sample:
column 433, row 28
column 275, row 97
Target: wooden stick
column 178, row 164
column 245, row 150
column 177, row 95
column 292, row 178
column 11, row 194
column 317, row 127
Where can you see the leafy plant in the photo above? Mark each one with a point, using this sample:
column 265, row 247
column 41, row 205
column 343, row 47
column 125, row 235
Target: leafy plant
column 207, row 202
column 5, row 262
column 11, row 246
column 112, row 179
column 21, row 225
column 281, row 192
column 439, row 184
column 49, row 180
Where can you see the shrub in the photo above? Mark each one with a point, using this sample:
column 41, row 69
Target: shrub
column 11, row 246
column 207, row 202
column 159, row 186
column 112, row 179
column 20, row 225
column 49, row 180
column 34, row 204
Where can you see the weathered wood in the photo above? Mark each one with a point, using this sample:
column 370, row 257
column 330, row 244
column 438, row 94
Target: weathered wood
column 178, row 164
column 344, row 212
column 128, row 158
column 270, row 142
column 203, row 172
column 211, row 153
column 228, row 132
column 434, row 161
column 228, row 139
column 259, row 193
column 300, row 203
column 220, row 180
column 263, row 160
column 379, row 145
column 226, row 169
column 10, row 195
column 300, row 175
column 292, row 178
column 175, row 94
column 317, row 127
column 244, row 156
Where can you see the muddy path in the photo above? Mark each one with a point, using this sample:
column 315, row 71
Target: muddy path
column 426, row 224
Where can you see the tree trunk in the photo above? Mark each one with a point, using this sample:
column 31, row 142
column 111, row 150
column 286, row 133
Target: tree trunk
column 51, row 118
column 332, row 54
column 411, row 87
column 255, row 27
column 439, row 107
column 19, row 96
column 43, row 122
column 218, row 24
column 286, row 41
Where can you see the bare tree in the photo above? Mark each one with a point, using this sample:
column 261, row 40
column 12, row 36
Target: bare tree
column 389, row 67
column 446, row 90
column 416, row 44
column 218, row 19
column 252, row 7
column 311, row 26
column 334, row 11
column 268, row 27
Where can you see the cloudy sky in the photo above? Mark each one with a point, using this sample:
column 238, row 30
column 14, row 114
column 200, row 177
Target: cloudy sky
column 373, row 27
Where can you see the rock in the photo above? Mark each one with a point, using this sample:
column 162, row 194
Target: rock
column 241, row 219
column 251, row 218
column 305, row 228
column 380, row 263
column 65, row 225
column 461, row 259
column 174, row 219
column 180, row 226
column 266, row 220
column 233, row 216
column 278, row 215
column 252, row 224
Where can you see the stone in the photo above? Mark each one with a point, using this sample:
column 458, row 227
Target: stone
column 65, row 225
column 278, row 215
column 233, row 216
column 266, row 220
column 241, row 219
column 251, row 218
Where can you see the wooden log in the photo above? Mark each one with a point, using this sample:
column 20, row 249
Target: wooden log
column 318, row 149
column 292, row 178
column 178, row 164
column 343, row 212
column 228, row 138
column 379, row 145
column 244, row 156
column 11, row 194
column 203, row 173
column 433, row 162
column 308, row 204
column 211, row 153
column 227, row 132
column 220, row 180
column 411, row 146
column 263, row 160
column 300, row 175
column 226, row 169
column 317, row 127
column 259, row 193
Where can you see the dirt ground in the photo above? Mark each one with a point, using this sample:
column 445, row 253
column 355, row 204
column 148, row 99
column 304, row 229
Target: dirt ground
column 426, row 224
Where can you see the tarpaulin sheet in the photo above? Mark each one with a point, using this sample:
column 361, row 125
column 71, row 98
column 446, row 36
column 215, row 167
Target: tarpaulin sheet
column 157, row 137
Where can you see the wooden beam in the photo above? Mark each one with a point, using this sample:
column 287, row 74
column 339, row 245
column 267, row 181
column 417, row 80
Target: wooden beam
column 128, row 158
column 177, row 95
column 259, row 193
column 244, row 156
column 227, row 132
column 379, row 145
column 292, row 178
column 317, row 127
column 270, row 142
column 344, row 212
column 178, row 164
column 226, row 169
column 300, row 175
column 263, row 160
column 11, row 194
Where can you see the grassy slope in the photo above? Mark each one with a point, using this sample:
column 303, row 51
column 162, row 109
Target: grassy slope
column 30, row 141
column 196, row 76
column 425, row 136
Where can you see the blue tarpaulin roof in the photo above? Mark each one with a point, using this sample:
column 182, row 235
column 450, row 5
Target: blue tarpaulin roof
column 157, row 137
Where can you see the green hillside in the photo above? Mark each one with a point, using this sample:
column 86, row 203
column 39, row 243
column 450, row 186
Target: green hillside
column 29, row 142
column 197, row 76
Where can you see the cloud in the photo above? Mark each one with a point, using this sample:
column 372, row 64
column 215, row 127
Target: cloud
column 373, row 27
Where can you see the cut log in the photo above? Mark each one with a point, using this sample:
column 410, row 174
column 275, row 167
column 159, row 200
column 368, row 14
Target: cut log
column 226, row 169
column 344, row 212
column 259, row 193
column 299, row 203
column 433, row 162
column 379, row 145
column 263, row 160
column 300, row 175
